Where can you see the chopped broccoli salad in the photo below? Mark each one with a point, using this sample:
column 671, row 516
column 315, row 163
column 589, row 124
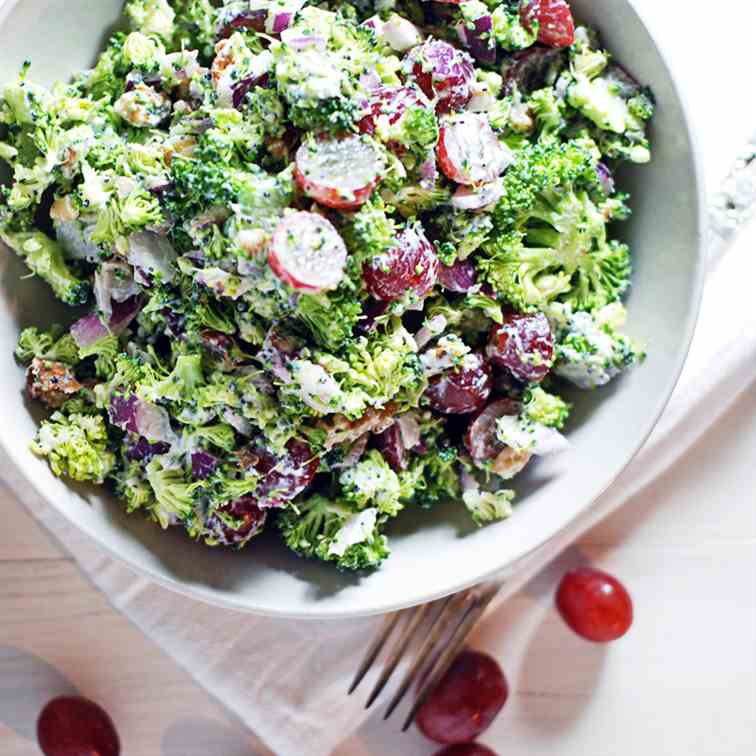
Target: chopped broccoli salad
column 331, row 260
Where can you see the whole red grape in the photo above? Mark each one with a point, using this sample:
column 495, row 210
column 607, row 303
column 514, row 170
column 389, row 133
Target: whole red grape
column 75, row 726
column 466, row 701
column 594, row 604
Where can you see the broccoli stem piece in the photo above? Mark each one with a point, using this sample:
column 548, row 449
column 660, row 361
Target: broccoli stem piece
column 44, row 257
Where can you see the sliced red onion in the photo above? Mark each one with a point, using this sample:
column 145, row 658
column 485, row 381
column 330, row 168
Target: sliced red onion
column 370, row 81
column 122, row 411
column 143, row 450
column 239, row 15
column 278, row 21
column 305, row 43
column 479, row 40
column 401, row 34
column 153, row 422
column 428, row 172
column 606, row 179
column 245, row 86
column 354, row 455
column 143, row 418
column 203, row 464
column 375, row 23
column 114, row 281
column 152, row 254
column 238, row 422
column 432, row 328
column 409, row 429
column 90, row 329
column 459, row 277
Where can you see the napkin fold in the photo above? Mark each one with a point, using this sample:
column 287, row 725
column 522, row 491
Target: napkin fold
column 287, row 680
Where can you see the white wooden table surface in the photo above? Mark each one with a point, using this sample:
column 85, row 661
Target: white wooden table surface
column 682, row 682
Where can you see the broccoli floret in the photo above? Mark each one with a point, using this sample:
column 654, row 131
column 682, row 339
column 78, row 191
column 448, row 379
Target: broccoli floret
column 108, row 77
column 180, row 384
column 372, row 481
column 151, row 17
column 488, row 506
column 174, row 495
column 591, row 350
column 331, row 317
column 132, row 487
column 76, row 445
column 220, row 435
column 124, row 216
column 372, row 230
column 542, row 407
column 552, row 243
column 44, row 257
column 508, row 29
column 47, row 345
column 195, row 26
column 334, row 532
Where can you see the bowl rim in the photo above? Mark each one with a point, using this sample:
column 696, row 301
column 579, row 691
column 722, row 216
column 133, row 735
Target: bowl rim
column 228, row 602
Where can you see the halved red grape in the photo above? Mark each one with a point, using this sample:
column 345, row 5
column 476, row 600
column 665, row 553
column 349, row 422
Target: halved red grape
column 76, row 726
column 410, row 265
column 556, row 25
column 282, row 477
column 524, row 345
column 459, row 277
column 388, row 105
column 235, row 523
column 594, row 604
column 461, row 390
column 484, row 446
column 339, row 172
column 442, row 71
column 466, row 749
column 307, row 252
column 466, row 701
column 469, row 152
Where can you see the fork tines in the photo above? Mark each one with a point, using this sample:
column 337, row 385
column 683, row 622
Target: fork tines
column 447, row 624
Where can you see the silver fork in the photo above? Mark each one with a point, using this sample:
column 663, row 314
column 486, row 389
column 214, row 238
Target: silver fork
column 447, row 622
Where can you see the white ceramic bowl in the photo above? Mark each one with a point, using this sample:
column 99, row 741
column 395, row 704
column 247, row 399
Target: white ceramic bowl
column 437, row 552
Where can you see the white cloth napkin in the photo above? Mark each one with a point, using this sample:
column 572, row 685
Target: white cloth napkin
column 287, row 680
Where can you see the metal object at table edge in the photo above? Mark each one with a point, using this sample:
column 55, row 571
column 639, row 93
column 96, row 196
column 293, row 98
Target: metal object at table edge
column 448, row 622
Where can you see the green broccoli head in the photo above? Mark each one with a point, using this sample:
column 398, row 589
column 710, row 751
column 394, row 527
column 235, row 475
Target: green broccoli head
column 371, row 231
column 552, row 242
column 372, row 481
column 151, row 17
column 47, row 345
column 333, row 531
column 330, row 316
column 488, row 506
column 591, row 351
column 44, row 257
column 124, row 216
column 173, row 493
column 179, row 385
column 76, row 446
column 540, row 406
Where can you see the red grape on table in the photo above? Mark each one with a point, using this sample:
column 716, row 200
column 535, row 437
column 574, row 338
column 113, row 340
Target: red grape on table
column 75, row 726
column 466, row 701
column 594, row 604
